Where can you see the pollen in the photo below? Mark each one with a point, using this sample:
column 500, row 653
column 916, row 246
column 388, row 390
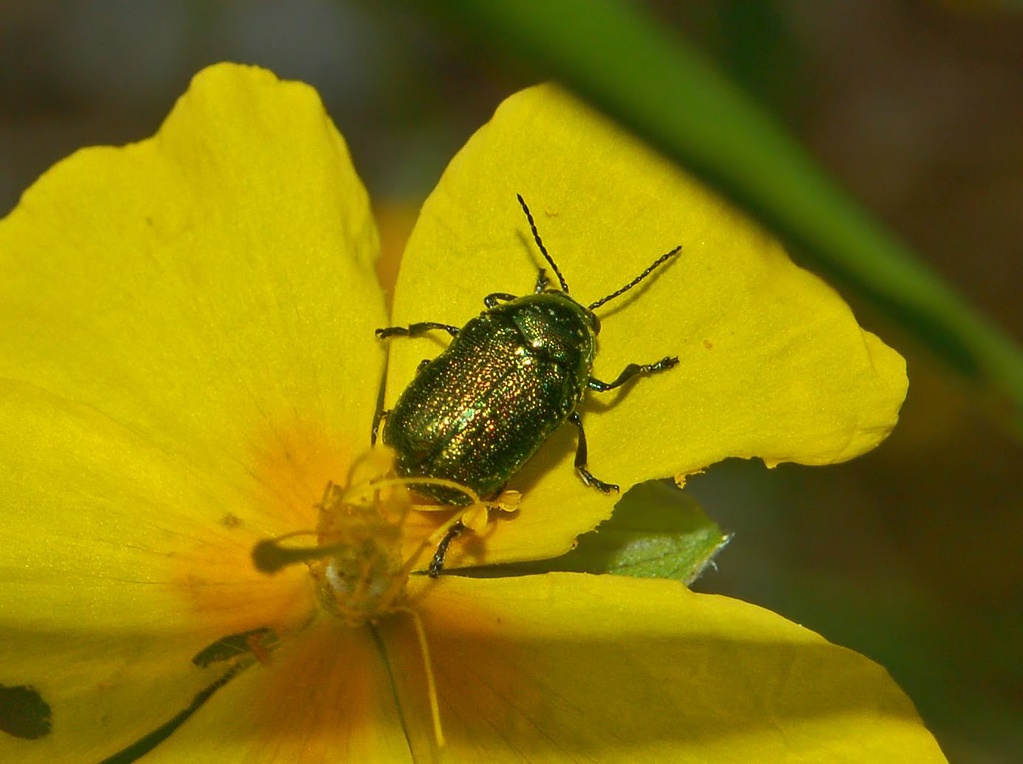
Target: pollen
column 364, row 574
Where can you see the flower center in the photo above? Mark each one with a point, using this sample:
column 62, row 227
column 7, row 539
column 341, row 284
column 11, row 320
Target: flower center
column 366, row 546
column 364, row 573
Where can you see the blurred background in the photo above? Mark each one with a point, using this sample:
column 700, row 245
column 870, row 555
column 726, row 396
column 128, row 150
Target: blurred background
column 910, row 555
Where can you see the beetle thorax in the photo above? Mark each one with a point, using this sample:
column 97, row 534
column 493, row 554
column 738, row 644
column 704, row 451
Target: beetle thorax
column 555, row 326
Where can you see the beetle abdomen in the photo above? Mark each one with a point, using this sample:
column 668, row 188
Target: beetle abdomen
column 477, row 412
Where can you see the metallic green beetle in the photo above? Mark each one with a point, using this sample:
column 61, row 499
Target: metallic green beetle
column 509, row 378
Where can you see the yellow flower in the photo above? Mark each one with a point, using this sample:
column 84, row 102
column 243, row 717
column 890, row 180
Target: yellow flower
column 188, row 361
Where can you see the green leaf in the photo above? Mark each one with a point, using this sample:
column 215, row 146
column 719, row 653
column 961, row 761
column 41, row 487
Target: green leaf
column 654, row 83
column 657, row 531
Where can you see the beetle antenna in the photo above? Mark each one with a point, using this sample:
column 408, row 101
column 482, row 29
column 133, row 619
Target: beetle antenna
column 539, row 243
column 658, row 262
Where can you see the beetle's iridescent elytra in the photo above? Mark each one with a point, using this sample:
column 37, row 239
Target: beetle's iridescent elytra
column 509, row 378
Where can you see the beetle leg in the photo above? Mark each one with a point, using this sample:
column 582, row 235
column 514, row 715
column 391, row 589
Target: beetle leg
column 630, row 371
column 580, row 459
column 414, row 330
column 437, row 563
column 541, row 282
column 378, row 417
column 491, row 300
column 381, row 412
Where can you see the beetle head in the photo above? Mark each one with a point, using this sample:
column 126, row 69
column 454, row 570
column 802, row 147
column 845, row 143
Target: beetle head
column 557, row 327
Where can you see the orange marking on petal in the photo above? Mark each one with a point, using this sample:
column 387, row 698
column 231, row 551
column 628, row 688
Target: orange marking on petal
column 475, row 659
column 326, row 693
column 289, row 469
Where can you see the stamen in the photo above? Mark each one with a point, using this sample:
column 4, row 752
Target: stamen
column 431, row 684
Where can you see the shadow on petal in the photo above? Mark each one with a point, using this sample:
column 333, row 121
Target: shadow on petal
column 606, row 668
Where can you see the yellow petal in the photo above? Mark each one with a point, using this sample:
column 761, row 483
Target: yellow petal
column 326, row 697
column 210, row 289
column 104, row 692
column 573, row 667
column 198, row 309
column 186, row 358
column 772, row 362
column 324, row 694
column 106, row 533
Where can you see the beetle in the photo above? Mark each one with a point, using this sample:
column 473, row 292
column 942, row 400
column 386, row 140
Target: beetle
column 508, row 379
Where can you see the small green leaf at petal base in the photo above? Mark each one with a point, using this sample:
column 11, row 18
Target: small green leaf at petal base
column 657, row 531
